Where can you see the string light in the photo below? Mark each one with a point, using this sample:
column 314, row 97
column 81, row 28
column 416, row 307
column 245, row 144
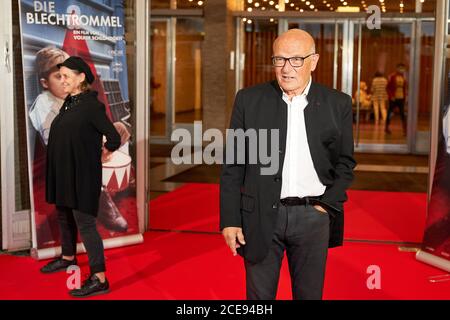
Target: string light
column 315, row 5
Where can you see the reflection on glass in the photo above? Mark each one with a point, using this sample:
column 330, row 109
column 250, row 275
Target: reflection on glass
column 426, row 77
column 160, row 4
column 258, row 39
column 188, row 70
column 158, row 80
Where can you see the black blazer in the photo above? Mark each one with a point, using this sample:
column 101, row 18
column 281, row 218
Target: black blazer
column 250, row 200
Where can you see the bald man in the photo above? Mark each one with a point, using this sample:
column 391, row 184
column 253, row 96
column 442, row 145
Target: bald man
column 299, row 209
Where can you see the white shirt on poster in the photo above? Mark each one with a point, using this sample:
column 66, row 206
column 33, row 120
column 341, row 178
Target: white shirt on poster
column 43, row 111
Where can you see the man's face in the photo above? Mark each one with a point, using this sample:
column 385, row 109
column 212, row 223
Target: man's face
column 54, row 84
column 290, row 79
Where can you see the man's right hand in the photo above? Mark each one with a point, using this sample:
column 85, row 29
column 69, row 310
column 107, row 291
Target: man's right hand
column 231, row 234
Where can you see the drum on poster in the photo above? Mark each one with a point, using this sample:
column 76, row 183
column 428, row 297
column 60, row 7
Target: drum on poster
column 116, row 172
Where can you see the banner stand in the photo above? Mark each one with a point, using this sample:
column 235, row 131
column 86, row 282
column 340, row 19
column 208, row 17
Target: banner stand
column 97, row 34
column 436, row 240
column 433, row 260
column 49, row 253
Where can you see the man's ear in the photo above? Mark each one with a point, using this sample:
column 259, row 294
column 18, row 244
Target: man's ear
column 44, row 83
column 315, row 60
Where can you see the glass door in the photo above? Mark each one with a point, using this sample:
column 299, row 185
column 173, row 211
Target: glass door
column 176, row 69
column 383, row 78
column 188, row 70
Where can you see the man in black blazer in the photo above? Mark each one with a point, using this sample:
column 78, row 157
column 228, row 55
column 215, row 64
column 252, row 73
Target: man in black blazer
column 299, row 209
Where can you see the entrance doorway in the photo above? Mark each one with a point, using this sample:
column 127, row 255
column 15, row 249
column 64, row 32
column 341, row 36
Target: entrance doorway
column 351, row 55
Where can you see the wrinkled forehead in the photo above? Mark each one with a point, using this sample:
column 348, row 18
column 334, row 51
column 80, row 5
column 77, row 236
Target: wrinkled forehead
column 290, row 45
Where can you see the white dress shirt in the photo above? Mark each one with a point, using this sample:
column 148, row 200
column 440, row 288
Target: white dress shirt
column 299, row 178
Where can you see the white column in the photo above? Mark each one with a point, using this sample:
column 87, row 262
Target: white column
column 142, row 109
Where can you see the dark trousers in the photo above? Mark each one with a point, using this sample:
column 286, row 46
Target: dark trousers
column 400, row 103
column 303, row 232
column 72, row 220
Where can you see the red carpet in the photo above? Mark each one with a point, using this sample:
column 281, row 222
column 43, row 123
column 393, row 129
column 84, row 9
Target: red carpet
column 172, row 265
column 369, row 215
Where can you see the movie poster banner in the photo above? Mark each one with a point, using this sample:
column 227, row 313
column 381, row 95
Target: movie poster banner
column 436, row 241
column 94, row 30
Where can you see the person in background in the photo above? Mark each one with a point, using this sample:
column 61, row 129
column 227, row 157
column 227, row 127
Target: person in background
column 397, row 90
column 379, row 97
column 365, row 101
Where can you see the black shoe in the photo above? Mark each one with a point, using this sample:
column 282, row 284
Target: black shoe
column 57, row 265
column 91, row 287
